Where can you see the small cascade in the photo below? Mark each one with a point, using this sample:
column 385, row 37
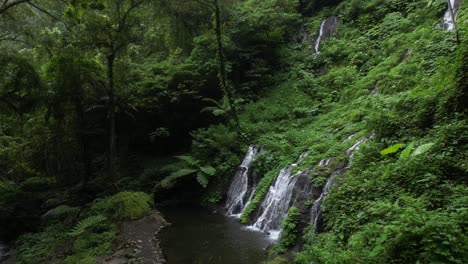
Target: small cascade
column 280, row 197
column 327, row 29
column 3, row 251
column 242, row 182
column 353, row 148
column 316, row 207
column 316, row 212
column 448, row 22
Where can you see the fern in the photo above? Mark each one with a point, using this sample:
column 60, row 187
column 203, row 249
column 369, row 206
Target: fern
column 202, row 179
column 168, row 182
column 86, row 223
column 208, row 170
column 60, row 211
column 193, row 166
column 189, row 160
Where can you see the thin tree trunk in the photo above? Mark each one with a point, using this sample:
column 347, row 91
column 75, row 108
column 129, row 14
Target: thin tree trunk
column 452, row 15
column 222, row 64
column 111, row 115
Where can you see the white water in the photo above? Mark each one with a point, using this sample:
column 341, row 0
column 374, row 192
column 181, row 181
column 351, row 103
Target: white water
column 316, row 212
column 240, row 185
column 448, row 23
column 327, row 28
column 316, row 207
column 277, row 202
column 353, row 148
column 319, row 39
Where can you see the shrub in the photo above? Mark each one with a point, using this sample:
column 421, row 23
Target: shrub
column 124, row 206
column 289, row 232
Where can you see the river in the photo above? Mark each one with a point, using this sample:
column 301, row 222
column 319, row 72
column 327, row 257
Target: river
column 197, row 236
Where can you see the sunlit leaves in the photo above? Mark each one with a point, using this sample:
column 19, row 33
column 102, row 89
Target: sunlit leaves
column 392, row 149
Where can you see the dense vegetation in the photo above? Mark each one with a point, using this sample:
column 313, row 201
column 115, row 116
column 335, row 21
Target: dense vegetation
column 109, row 106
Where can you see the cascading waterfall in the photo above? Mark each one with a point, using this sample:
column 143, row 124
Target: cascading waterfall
column 448, row 22
column 277, row 202
column 243, row 180
column 327, row 29
column 316, row 207
column 316, row 212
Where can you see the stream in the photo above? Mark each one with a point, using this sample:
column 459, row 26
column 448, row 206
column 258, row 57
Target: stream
column 197, row 236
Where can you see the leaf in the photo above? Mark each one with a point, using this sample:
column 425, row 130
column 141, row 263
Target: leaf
column 392, row 149
column 219, row 112
column 181, row 173
column 377, row 249
column 208, row 170
column 407, row 151
column 61, row 210
column 422, row 149
column 188, row 159
column 202, row 179
column 86, row 223
column 168, row 182
column 209, row 109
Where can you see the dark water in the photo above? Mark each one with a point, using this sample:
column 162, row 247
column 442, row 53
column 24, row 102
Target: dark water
column 199, row 237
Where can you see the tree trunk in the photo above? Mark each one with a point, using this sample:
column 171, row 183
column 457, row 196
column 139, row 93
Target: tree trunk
column 452, row 15
column 111, row 115
column 222, row 64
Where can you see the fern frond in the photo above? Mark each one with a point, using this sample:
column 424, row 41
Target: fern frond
column 202, row 179
column 208, row 170
column 189, row 160
column 86, row 223
column 61, row 210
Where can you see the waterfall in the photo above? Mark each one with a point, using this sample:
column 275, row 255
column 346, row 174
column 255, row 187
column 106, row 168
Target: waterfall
column 280, row 197
column 3, row 251
column 243, row 180
column 316, row 207
column 327, row 29
column 316, row 212
column 448, row 23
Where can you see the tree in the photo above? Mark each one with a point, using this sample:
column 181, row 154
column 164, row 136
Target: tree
column 110, row 26
column 222, row 73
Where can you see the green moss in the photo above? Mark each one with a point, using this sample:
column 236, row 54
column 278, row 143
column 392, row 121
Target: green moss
column 260, row 192
column 289, row 231
column 124, row 206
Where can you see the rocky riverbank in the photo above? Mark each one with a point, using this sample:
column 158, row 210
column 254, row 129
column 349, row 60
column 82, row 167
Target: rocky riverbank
column 139, row 242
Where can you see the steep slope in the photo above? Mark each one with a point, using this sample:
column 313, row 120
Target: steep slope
column 392, row 76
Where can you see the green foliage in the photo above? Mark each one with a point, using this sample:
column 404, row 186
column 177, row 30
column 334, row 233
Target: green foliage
column 202, row 172
column 124, row 206
column 392, row 149
column 289, row 230
column 40, row 247
column 407, row 151
column 86, row 223
column 259, row 194
column 422, row 149
column 60, row 211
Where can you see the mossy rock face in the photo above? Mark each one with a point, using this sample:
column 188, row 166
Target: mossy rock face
column 125, row 206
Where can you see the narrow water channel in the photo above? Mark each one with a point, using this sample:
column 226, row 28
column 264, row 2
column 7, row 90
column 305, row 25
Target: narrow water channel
column 197, row 236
